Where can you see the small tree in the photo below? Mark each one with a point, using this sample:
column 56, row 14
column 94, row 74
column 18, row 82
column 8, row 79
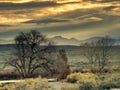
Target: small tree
column 65, row 67
column 28, row 55
column 103, row 50
column 89, row 52
column 98, row 52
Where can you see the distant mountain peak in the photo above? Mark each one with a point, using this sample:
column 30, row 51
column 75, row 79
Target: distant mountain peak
column 65, row 41
column 60, row 40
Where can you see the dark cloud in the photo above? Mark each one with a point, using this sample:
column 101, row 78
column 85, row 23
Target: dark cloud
column 110, row 7
column 107, row 20
column 81, row 13
column 103, row 0
column 84, row 20
column 47, row 20
column 15, row 6
column 109, row 0
column 5, row 25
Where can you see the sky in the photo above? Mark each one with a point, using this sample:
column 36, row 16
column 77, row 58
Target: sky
column 80, row 19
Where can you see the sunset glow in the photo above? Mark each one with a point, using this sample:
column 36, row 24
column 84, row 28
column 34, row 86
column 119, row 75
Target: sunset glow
column 76, row 18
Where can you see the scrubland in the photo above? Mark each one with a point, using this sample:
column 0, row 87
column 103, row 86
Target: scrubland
column 77, row 80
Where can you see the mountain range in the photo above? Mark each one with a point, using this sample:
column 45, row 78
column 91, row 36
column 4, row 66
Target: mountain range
column 59, row 40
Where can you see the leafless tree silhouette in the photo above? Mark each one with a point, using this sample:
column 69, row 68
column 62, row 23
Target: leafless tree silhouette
column 99, row 52
column 28, row 55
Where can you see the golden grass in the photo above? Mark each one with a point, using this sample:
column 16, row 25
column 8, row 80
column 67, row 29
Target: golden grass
column 28, row 84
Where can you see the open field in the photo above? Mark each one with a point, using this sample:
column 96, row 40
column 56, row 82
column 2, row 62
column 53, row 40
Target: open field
column 74, row 54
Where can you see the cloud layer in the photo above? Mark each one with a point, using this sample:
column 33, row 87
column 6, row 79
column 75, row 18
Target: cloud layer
column 80, row 19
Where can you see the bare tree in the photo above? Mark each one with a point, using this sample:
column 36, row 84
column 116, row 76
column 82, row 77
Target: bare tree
column 99, row 51
column 28, row 54
column 89, row 51
column 65, row 70
column 103, row 50
column 32, row 55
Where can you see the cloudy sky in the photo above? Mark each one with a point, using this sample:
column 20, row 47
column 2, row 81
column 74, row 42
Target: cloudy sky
column 80, row 19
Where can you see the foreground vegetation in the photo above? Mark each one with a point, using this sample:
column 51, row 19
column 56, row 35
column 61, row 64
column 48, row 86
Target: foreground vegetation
column 27, row 84
column 74, row 81
column 98, row 81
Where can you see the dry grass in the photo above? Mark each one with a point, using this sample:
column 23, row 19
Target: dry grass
column 90, row 81
column 111, row 80
column 82, row 77
column 28, row 84
column 86, row 81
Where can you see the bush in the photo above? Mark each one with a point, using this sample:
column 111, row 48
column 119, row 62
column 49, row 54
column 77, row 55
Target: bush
column 87, row 81
column 88, row 86
column 29, row 84
column 110, row 81
column 82, row 78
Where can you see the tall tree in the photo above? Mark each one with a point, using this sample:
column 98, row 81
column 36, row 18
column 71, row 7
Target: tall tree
column 28, row 55
column 99, row 51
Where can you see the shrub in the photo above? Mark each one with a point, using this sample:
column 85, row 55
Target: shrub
column 29, row 84
column 82, row 77
column 88, row 86
column 81, row 70
column 110, row 81
column 87, row 81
